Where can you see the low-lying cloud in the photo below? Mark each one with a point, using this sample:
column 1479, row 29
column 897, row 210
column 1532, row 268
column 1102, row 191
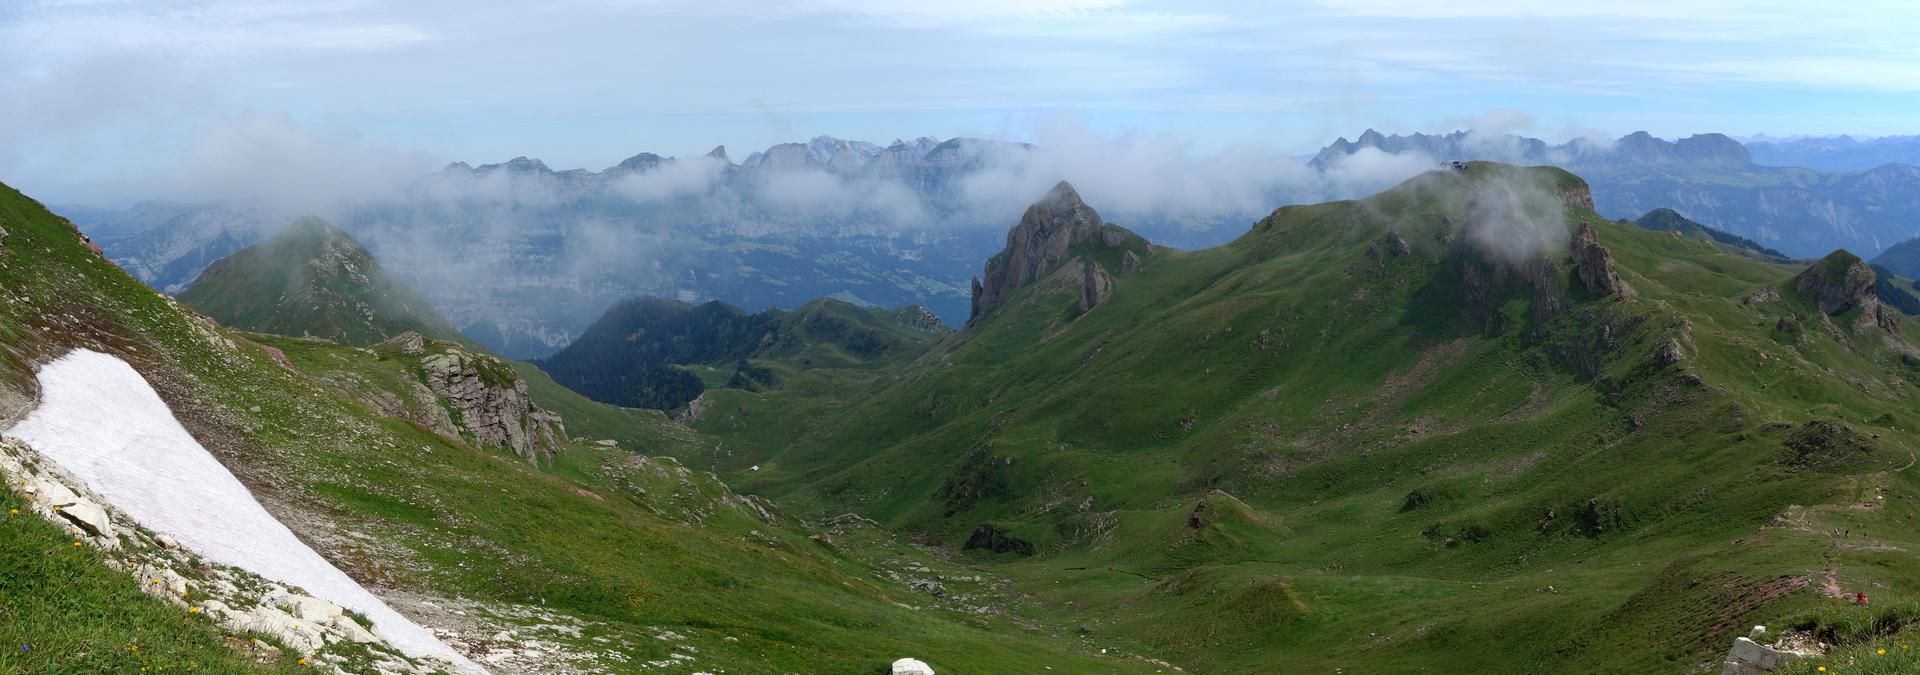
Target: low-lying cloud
column 1515, row 218
column 271, row 163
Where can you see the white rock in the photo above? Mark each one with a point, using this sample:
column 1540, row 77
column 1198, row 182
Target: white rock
column 353, row 630
column 911, row 667
column 1757, row 633
column 303, row 637
column 310, row 609
column 89, row 517
column 1752, row 658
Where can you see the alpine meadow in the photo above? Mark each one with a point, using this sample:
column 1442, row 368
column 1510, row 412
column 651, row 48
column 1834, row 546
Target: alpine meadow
column 1596, row 351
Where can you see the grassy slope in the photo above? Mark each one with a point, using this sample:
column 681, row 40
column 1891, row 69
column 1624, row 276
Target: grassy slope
column 1614, row 517
column 313, row 279
column 443, row 518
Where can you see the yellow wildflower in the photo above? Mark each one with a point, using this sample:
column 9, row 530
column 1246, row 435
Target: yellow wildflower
column 13, row 512
column 193, row 610
column 1883, row 652
column 76, row 544
column 303, row 662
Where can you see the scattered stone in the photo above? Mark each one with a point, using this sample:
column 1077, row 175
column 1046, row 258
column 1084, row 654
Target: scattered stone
column 607, row 443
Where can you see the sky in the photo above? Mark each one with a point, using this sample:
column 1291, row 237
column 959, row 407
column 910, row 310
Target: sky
column 113, row 101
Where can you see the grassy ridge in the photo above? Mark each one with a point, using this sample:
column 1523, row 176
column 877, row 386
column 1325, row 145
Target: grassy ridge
column 1428, row 469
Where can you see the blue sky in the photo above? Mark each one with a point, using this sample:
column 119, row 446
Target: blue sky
column 112, row 100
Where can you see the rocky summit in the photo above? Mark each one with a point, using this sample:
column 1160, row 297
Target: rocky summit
column 1049, row 231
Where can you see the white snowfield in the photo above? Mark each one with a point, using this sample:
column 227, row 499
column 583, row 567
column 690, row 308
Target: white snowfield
column 101, row 421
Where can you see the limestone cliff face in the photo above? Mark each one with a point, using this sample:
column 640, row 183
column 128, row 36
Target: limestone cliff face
column 1051, row 227
column 490, row 402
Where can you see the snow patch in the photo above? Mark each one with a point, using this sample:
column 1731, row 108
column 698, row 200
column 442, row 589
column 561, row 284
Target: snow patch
column 101, row 421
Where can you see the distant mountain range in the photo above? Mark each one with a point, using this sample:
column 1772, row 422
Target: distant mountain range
column 1835, row 153
column 1709, row 178
column 522, row 257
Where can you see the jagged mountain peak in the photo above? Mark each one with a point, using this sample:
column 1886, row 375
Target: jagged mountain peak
column 1046, row 236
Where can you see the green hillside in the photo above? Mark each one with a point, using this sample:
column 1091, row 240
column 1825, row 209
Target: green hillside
column 657, row 353
column 1359, row 438
column 616, row 559
column 313, row 280
column 1667, row 220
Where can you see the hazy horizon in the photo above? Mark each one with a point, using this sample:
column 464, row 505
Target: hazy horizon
column 109, row 101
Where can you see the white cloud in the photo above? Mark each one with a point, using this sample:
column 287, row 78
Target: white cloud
column 685, row 177
column 271, row 162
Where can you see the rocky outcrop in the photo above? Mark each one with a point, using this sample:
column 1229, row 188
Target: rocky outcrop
column 1095, row 287
column 1593, row 263
column 1841, row 282
column 920, row 318
column 1397, row 246
column 1130, row 262
column 409, row 343
column 490, row 402
column 1051, row 227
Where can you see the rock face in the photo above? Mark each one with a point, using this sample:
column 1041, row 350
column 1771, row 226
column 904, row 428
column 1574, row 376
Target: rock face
column 1841, row 282
column 1095, row 287
column 1130, row 262
column 1593, row 263
column 492, row 403
column 1052, row 226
